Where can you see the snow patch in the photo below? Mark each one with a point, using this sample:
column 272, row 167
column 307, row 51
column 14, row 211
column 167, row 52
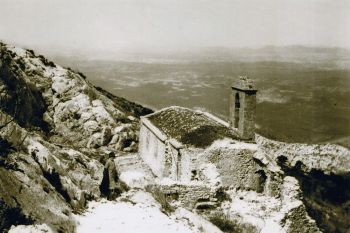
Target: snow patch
column 124, row 217
column 41, row 152
column 134, row 179
column 143, row 197
column 91, row 126
column 100, row 112
column 209, row 173
column 19, row 51
column 265, row 212
column 257, row 210
column 31, row 229
column 78, row 103
column 60, row 83
column 232, row 144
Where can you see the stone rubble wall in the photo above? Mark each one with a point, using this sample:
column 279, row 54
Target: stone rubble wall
column 189, row 196
column 237, row 168
column 188, row 163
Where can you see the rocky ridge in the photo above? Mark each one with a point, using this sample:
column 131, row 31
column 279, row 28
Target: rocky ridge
column 55, row 128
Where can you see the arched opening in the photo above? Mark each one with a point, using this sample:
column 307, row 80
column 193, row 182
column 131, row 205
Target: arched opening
column 237, row 106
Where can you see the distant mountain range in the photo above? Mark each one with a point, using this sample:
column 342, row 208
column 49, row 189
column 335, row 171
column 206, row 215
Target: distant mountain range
column 334, row 56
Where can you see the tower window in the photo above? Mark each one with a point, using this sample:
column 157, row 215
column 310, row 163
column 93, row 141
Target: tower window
column 237, row 106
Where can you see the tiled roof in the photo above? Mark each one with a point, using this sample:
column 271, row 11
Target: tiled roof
column 190, row 127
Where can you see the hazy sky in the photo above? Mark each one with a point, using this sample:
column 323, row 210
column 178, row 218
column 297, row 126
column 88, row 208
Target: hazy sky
column 115, row 24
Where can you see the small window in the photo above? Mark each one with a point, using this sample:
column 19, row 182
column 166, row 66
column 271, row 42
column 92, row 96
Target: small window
column 194, row 175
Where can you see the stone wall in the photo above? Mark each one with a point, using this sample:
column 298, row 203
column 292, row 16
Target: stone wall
column 247, row 114
column 232, row 107
column 246, row 122
column 189, row 163
column 151, row 150
column 236, row 166
column 190, row 196
column 166, row 157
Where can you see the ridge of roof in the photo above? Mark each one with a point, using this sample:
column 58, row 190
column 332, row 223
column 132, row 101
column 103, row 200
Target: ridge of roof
column 191, row 127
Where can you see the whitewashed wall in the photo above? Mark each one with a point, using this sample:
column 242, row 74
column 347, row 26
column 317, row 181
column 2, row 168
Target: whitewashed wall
column 152, row 151
column 165, row 157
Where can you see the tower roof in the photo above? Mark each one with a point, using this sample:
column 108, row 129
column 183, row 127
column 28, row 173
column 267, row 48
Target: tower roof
column 243, row 83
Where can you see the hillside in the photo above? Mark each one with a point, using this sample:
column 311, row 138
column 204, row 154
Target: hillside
column 54, row 129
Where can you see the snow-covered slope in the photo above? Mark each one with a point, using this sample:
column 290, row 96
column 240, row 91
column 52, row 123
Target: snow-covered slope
column 138, row 212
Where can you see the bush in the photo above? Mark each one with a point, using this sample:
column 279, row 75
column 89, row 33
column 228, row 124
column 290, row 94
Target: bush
column 31, row 52
column 222, row 196
column 225, row 224
column 5, row 147
column 161, row 198
column 11, row 216
column 46, row 62
column 82, row 75
column 123, row 119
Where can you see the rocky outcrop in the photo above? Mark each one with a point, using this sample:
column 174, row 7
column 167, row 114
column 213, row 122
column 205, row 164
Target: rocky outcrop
column 254, row 212
column 323, row 173
column 305, row 187
column 54, row 129
column 259, row 196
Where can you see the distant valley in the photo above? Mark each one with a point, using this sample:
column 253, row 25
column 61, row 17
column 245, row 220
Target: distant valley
column 304, row 93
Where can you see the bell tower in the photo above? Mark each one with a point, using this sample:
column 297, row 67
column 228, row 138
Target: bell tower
column 243, row 107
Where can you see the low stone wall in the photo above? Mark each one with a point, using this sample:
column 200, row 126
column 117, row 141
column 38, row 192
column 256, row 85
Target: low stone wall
column 190, row 196
column 237, row 169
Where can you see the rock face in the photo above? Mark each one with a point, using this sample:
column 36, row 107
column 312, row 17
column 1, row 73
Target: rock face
column 49, row 116
column 304, row 188
column 323, row 173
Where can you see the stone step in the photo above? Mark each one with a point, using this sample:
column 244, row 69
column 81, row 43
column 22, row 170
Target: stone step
column 133, row 168
column 127, row 157
column 126, row 163
column 133, row 162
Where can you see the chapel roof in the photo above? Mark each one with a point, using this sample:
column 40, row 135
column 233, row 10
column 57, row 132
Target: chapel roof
column 189, row 127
